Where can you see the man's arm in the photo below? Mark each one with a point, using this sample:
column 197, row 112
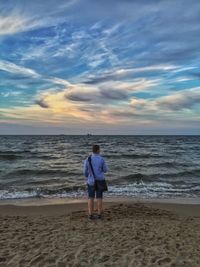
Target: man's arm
column 104, row 166
column 85, row 169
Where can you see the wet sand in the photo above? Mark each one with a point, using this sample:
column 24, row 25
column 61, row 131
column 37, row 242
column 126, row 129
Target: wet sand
column 132, row 233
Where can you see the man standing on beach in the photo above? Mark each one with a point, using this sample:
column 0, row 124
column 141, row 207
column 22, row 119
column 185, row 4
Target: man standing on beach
column 94, row 169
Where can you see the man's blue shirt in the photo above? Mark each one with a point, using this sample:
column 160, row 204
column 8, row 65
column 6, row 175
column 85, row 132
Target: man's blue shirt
column 99, row 167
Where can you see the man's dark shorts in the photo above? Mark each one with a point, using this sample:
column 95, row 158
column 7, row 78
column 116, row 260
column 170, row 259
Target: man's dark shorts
column 92, row 191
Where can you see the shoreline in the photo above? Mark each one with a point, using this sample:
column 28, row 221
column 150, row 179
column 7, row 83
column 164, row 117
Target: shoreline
column 35, row 201
column 54, row 207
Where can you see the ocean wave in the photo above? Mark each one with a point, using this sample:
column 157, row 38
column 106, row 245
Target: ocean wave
column 138, row 177
column 170, row 164
column 62, row 189
column 14, row 152
column 20, row 154
column 132, row 156
column 195, row 172
column 42, row 172
column 43, row 157
column 9, row 157
column 30, row 156
column 150, row 190
column 6, row 194
column 157, row 176
column 43, row 192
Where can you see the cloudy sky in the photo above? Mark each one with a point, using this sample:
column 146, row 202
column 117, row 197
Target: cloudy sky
column 105, row 67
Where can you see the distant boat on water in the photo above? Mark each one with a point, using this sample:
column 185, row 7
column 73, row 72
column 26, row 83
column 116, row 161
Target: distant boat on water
column 89, row 134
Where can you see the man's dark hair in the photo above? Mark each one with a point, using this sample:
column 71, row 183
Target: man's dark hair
column 95, row 148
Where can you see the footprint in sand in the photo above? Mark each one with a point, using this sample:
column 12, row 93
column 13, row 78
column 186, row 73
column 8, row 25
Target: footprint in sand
column 163, row 261
column 37, row 259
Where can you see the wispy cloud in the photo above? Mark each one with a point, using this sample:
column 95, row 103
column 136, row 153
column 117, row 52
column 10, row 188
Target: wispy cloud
column 12, row 23
column 128, row 72
column 182, row 100
column 16, row 69
column 24, row 17
column 10, row 93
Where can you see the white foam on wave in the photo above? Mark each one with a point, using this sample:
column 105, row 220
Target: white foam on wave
column 146, row 190
column 5, row 194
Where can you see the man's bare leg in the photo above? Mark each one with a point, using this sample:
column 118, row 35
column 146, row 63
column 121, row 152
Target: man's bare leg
column 99, row 205
column 90, row 206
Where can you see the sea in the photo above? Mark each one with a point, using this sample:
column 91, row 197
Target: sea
column 51, row 166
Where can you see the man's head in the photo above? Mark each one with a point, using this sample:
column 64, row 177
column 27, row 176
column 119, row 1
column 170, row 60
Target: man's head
column 96, row 149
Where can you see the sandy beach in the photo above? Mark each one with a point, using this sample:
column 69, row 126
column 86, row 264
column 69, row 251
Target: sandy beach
column 132, row 233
